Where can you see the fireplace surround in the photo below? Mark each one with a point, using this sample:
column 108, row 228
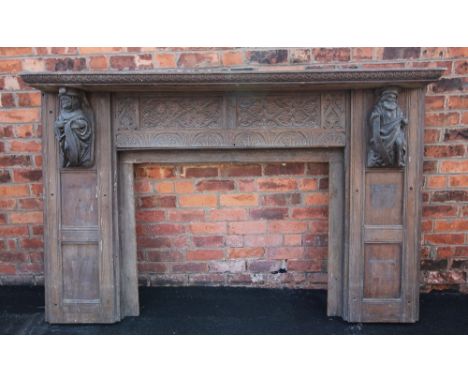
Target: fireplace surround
column 367, row 124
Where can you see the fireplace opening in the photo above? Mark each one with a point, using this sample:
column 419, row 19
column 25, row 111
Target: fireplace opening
column 249, row 224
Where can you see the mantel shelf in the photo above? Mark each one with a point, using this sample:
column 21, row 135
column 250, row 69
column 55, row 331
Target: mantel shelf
column 183, row 80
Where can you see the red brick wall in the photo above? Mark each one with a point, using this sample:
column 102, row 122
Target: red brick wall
column 233, row 224
column 445, row 210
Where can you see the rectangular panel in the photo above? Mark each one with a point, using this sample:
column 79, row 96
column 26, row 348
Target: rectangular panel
column 383, row 233
column 384, row 197
column 79, row 198
column 382, row 270
column 80, row 272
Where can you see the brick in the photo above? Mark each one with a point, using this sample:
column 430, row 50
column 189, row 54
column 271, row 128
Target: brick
column 5, row 176
column 19, row 115
column 447, row 84
column 20, row 175
column 184, row 187
column 299, row 56
column 65, row 64
column 310, row 213
column 29, row 99
column 444, row 238
column 273, row 56
column 100, row 50
column 7, row 204
column 199, row 200
column 215, row 185
column 316, row 198
column 150, row 216
column 458, row 181
column 236, row 253
column 186, row 216
column 208, row 241
column 236, row 170
column 206, row 279
column 23, row 51
column 152, row 267
column 200, row 172
column 401, row 53
column 165, row 60
column 227, row 214
column 7, row 100
column 444, row 277
column 162, row 242
column 461, row 67
column 164, row 255
column 445, row 151
column 247, row 185
column 196, row 60
column 26, row 217
column 33, row 65
column 282, row 199
column 31, row 204
column 320, row 226
column 229, row 266
column 429, row 166
column 230, row 200
column 285, row 253
column 6, row 131
column 308, row 184
column 98, row 63
column 434, row 103
column 438, row 211
column 263, row 266
column 235, row 241
column 10, row 66
column 433, row 53
column 122, row 62
column 154, row 172
column 457, row 52
column 232, row 58
column 13, row 257
column 31, row 243
column 447, row 226
column 164, row 187
column 293, row 239
column 15, row 231
column 441, row 119
column 265, row 240
column 332, row 54
column 7, row 269
column 25, row 146
column 304, row 265
column 314, row 240
column 458, row 102
column 461, row 251
column 208, row 228
column 160, row 229
column 144, row 61
column 450, row 196
column 284, row 169
column 436, row 181
column 154, row 201
column 317, row 169
column 454, row 166
column 205, row 254
column 142, row 186
column 277, row 184
column 269, row 213
column 248, row 227
column 359, row 54
column 287, row 226
column 14, row 190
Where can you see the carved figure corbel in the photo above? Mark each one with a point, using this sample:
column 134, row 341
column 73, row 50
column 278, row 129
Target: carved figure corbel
column 74, row 129
column 387, row 139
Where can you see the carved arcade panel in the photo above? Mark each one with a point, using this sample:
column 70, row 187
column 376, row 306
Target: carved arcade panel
column 230, row 120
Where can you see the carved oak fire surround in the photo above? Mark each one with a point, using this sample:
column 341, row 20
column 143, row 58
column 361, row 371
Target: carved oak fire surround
column 367, row 124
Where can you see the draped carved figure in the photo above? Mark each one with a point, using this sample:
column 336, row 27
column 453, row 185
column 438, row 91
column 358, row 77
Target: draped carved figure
column 387, row 141
column 74, row 129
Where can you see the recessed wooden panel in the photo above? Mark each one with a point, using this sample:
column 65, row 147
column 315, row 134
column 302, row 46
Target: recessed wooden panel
column 382, row 270
column 80, row 273
column 384, row 197
column 79, row 199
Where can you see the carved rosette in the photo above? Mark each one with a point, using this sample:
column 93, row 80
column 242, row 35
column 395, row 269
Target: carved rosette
column 74, row 129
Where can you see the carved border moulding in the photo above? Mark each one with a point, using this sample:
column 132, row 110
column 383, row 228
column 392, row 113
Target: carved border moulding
column 126, row 113
column 229, row 138
column 333, row 110
column 219, row 78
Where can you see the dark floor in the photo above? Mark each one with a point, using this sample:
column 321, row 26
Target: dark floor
column 198, row 310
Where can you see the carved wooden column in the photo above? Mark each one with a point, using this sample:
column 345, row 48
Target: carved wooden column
column 106, row 122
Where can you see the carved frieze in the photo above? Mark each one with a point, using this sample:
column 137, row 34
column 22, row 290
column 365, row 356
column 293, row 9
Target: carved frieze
column 184, row 112
column 279, row 111
column 307, row 119
column 74, row 129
